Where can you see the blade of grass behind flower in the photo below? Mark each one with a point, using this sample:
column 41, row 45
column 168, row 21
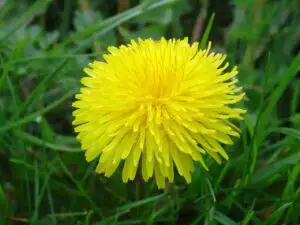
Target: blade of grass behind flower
column 37, row 141
column 81, row 189
column 35, row 93
column 275, row 168
column 288, row 131
column 277, row 93
column 102, row 27
column 31, row 117
column 223, row 219
column 141, row 202
column 207, row 31
column 4, row 208
column 265, row 114
column 35, row 9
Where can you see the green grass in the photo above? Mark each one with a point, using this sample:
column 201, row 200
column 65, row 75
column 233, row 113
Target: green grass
column 44, row 179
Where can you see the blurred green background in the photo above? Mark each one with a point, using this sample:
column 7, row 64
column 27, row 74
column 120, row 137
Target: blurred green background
column 44, row 179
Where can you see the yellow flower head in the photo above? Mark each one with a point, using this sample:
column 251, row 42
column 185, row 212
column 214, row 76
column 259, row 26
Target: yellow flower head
column 156, row 105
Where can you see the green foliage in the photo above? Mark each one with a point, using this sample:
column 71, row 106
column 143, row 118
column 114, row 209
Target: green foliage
column 44, row 178
column 4, row 210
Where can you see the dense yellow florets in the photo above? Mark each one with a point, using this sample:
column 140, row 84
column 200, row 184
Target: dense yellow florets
column 158, row 104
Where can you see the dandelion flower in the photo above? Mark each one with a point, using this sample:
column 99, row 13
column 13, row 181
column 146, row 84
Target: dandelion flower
column 158, row 107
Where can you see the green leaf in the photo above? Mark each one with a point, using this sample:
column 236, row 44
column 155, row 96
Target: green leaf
column 275, row 168
column 33, row 116
column 141, row 202
column 49, row 39
column 276, row 215
column 288, row 131
column 207, row 31
column 223, row 219
column 249, row 215
column 277, row 93
column 101, row 27
column 83, row 20
column 35, row 9
column 152, row 31
column 265, row 114
column 4, row 210
column 161, row 16
column 38, row 89
column 40, row 142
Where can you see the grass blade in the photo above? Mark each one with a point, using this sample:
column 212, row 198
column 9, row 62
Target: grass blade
column 141, row 202
column 290, row 74
column 207, row 31
column 275, row 167
column 31, row 117
column 265, row 114
column 103, row 27
column 39, row 88
column 35, row 9
column 3, row 207
column 30, row 138
column 223, row 219
column 288, row 131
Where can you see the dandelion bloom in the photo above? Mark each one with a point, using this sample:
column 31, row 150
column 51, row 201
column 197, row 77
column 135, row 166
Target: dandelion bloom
column 156, row 105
